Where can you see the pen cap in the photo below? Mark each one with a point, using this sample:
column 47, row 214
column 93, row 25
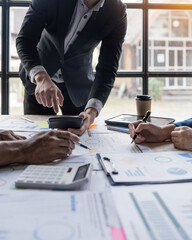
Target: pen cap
column 143, row 104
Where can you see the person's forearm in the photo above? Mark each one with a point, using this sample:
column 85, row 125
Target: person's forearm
column 187, row 122
column 11, row 152
column 166, row 131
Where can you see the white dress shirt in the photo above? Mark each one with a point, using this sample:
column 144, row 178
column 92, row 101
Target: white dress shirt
column 79, row 19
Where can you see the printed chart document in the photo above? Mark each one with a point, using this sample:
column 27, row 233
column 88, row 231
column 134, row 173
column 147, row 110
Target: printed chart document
column 21, row 125
column 111, row 143
column 55, row 215
column 159, row 167
column 155, row 212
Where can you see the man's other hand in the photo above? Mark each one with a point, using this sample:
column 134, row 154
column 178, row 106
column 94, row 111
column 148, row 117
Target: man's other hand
column 88, row 118
column 47, row 93
column 182, row 138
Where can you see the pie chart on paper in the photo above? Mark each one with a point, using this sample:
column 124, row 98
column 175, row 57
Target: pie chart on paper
column 177, row 171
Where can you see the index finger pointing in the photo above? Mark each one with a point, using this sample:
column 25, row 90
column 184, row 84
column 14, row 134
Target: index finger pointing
column 54, row 104
column 60, row 98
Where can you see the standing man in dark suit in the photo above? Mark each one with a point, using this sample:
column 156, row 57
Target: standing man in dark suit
column 55, row 45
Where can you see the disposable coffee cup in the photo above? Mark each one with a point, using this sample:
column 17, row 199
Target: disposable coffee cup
column 143, row 104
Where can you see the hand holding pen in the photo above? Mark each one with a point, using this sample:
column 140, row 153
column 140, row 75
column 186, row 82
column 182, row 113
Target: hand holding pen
column 145, row 118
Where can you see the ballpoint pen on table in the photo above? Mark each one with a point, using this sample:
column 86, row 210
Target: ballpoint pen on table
column 82, row 145
column 27, row 119
column 145, row 118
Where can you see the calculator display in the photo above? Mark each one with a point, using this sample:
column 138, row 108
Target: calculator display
column 81, row 172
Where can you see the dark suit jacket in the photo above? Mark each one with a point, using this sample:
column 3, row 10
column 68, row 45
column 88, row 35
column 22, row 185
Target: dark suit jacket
column 187, row 122
column 41, row 42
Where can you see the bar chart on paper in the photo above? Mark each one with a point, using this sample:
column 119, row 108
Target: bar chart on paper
column 160, row 221
column 137, row 172
column 162, row 213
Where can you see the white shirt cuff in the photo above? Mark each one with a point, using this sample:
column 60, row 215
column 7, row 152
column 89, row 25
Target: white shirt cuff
column 94, row 103
column 34, row 71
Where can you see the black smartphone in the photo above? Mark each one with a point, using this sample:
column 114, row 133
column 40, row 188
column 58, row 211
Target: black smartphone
column 65, row 122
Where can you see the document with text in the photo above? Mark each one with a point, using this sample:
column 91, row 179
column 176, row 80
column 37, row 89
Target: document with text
column 49, row 215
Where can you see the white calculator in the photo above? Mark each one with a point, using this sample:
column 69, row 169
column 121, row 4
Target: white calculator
column 53, row 177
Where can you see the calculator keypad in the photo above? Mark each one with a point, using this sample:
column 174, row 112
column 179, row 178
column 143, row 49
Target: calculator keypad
column 54, row 177
column 44, row 174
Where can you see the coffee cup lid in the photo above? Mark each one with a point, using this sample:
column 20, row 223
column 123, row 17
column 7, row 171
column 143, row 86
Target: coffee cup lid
column 144, row 97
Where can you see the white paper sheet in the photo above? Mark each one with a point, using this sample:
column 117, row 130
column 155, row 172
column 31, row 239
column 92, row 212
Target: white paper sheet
column 98, row 182
column 24, row 125
column 161, row 212
column 109, row 143
column 59, row 216
column 78, row 159
column 8, row 175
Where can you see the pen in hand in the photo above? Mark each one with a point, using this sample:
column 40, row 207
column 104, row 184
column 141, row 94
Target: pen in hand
column 145, row 118
column 82, row 145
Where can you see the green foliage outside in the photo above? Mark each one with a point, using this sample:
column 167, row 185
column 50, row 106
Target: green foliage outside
column 155, row 89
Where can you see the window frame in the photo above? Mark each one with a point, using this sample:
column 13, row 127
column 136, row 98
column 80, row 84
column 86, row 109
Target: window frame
column 144, row 74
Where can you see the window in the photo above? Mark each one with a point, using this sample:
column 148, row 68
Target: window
column 156, row 56
column 11, row 17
